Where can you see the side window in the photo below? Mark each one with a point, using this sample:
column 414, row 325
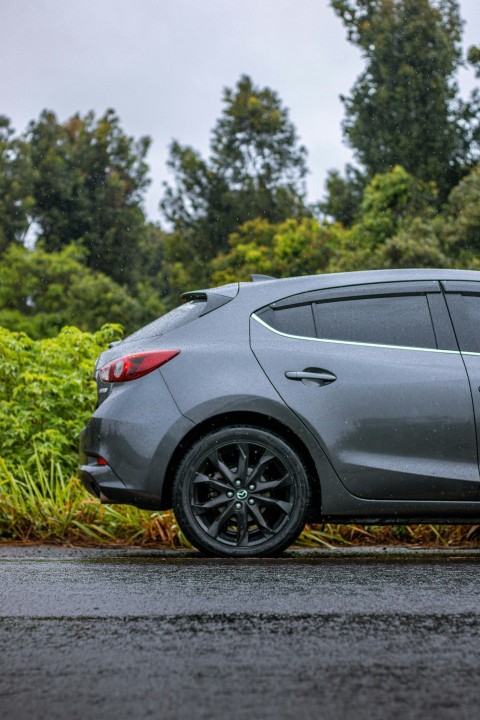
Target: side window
column 382, row 320
column 290, row 319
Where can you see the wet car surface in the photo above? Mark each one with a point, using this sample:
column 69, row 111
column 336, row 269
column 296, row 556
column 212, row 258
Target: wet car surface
column 255, row 407
column 161, row 635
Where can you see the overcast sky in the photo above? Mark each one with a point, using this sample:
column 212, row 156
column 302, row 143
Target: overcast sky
column 162, row 64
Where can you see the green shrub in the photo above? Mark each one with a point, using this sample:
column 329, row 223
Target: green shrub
column 47, row 393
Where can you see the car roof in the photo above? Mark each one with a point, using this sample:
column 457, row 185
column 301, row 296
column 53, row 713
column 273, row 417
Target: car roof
column 283, row 287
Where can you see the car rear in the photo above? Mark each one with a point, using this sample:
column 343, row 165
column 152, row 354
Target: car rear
column 137, row 425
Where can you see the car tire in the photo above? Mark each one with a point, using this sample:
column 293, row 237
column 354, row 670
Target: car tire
column 241, row 491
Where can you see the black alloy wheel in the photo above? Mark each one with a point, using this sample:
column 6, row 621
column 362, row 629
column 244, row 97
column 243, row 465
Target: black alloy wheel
column 241, row 492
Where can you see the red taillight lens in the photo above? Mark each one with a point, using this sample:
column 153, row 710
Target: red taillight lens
column 131, row 367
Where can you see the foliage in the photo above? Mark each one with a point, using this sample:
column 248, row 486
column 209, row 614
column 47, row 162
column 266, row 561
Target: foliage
column 16, row 176
column 294, row 247
column 255, row 150
column 256, row 169
column 344, row 195
column 47, row 393
column 396, row 226
column 463, row 217
column 46, row 504
column 89, row 180
column 332, row 535
column 40, row 292
column 390, row 201
column 403, row 108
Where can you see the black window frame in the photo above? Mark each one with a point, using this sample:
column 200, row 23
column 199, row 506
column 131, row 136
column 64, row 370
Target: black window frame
column 440, row 318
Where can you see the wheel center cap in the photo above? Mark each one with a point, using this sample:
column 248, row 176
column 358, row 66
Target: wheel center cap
column 242, row 494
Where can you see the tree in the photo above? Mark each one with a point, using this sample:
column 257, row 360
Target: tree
column 301, row 246
column 16, row 176
column 390, row 202
column 403, row 108
column 255, row 151
column 256, row 169
column 41, row 291
column 461, row 226
column 344, row 195
column 88, row 186
column 396, row 226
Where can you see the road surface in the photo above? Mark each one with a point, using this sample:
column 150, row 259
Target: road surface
column 135, row 634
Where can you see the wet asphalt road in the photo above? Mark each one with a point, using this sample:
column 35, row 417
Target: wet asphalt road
column 129, row 635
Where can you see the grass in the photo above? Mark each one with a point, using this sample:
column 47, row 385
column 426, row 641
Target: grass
column 47, row 506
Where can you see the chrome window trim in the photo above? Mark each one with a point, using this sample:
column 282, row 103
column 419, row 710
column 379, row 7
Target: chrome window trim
column 357, row 344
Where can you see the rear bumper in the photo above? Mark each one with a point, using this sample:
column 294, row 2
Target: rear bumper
column 136, row 430
column 101, row 481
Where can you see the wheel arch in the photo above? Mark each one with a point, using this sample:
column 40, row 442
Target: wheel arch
column 264, row 422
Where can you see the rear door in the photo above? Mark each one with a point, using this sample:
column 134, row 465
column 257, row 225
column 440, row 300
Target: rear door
column 375, row 373
column 463, row 300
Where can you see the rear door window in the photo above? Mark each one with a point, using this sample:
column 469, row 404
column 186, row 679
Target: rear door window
column 402, row 320
column 294, row 319
column 403, row 314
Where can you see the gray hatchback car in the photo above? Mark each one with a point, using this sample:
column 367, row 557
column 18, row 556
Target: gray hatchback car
column 254, row 407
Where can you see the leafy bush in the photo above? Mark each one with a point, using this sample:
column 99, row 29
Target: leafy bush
column 47, row 393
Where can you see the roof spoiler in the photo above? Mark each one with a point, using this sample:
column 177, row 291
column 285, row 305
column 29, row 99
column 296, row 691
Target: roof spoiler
column 213, row 299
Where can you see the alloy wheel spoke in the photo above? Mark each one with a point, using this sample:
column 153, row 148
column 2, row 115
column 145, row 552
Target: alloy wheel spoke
column 210, row 504
column 257, row 471
column 214, row 483
column 285, row 507
column 220, row 520
column 265, row 529
column 242, row 537
column 284, row 481
column 244, row 454
column 219, row 465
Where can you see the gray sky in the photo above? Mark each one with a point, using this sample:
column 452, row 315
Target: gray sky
column 162, row 64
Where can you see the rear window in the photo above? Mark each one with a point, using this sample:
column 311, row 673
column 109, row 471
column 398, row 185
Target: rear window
column 181, row 315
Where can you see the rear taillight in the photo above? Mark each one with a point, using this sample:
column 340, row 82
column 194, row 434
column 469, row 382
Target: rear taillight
column 131, row 367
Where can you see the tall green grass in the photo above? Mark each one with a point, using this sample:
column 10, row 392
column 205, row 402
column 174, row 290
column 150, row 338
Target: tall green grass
column 45, row 505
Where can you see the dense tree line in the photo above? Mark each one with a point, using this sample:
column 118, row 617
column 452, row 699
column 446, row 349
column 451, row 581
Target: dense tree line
column 411, row 199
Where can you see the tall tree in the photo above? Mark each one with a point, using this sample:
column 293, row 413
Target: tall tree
column 89, row 182
column 403, row 108
column 255, row 150
column 16, row 176
column 256, row 168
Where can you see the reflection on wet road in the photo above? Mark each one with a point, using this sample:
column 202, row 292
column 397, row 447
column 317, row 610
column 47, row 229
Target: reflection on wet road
column 296, row 637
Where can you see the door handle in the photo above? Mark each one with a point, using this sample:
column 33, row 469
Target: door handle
column 311, row 376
